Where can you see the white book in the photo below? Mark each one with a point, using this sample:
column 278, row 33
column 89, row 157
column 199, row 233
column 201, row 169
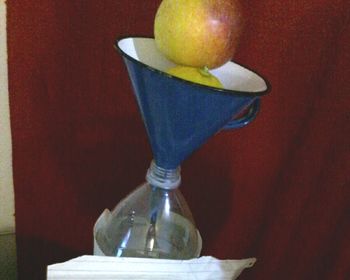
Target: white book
column 101, row 268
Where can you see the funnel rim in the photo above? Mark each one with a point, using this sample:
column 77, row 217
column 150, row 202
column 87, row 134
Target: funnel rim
column 213, row 89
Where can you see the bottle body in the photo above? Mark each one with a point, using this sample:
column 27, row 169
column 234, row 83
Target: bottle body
column 152, row 222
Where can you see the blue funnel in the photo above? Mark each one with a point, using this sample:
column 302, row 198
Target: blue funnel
column 180, row 115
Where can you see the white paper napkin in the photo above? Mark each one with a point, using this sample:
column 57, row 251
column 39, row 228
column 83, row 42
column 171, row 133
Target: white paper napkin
column 102, row 267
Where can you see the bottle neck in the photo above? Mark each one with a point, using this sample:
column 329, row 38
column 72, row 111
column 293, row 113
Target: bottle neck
column 163, row 178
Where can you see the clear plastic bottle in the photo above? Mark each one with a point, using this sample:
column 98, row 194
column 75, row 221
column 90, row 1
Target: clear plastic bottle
column 153, row 221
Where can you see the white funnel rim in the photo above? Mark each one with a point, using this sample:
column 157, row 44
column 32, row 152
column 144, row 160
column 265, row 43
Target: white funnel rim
column 236, row 78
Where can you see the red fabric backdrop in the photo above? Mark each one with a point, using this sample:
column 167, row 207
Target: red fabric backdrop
column 278, row 189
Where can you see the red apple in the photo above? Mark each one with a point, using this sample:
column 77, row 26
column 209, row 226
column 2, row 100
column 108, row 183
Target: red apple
column 198, row 33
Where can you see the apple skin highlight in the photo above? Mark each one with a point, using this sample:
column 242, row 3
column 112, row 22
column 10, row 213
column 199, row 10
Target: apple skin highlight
column 198, row 33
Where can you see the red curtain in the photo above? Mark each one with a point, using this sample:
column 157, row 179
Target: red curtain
column 278, row 189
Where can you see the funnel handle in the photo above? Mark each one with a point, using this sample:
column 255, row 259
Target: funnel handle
column 247, row 118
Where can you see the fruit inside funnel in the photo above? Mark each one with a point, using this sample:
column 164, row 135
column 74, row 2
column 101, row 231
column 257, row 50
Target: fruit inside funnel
column 179, row 115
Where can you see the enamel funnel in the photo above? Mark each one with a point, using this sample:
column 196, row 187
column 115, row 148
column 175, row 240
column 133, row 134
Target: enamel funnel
column 179, row 115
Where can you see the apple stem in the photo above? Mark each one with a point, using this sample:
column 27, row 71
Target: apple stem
column 204, row 71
